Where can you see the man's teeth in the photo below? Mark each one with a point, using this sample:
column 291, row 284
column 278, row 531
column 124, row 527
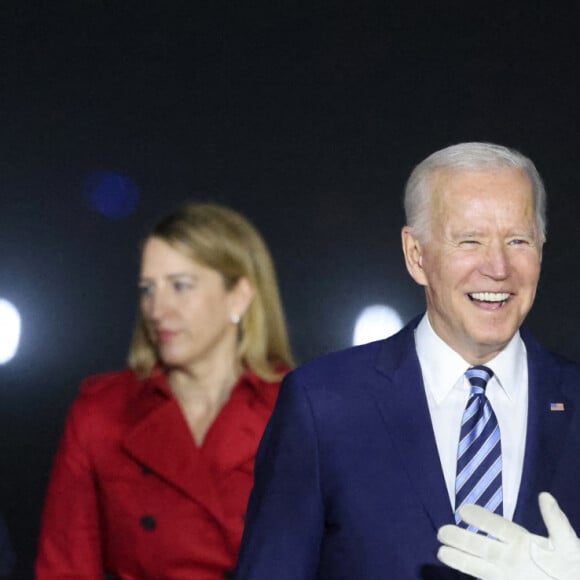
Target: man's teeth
column 490, row 296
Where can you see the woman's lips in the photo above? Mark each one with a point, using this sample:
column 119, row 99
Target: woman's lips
column 166, row 335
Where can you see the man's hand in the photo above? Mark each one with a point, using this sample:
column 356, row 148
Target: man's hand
column 512, row 553
column 560, row 559
column 505, row 556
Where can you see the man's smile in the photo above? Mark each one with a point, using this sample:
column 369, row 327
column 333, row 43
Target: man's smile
column 497, row 299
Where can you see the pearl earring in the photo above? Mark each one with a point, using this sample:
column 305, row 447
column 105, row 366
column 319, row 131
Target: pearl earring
column 235, row 318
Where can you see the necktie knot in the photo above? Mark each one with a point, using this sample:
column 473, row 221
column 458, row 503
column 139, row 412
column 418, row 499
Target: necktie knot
column 478, row 377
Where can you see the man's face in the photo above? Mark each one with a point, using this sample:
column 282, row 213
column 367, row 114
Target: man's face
column 480, row 264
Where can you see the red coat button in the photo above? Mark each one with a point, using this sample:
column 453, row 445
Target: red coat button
column 148, row 523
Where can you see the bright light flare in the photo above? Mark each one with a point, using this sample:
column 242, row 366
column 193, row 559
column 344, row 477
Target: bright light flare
column 9, row 331
column 376, row 322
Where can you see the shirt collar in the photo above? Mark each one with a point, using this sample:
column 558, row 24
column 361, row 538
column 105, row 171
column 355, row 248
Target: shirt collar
column 443, row 368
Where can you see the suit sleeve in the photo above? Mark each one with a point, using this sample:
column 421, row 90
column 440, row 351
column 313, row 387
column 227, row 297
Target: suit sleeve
column 70, row 537
column 285, row 520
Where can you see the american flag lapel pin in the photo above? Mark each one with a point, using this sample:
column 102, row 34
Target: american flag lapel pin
column 557, row 407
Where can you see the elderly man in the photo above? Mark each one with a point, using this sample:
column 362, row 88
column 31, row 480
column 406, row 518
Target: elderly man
column 372, row 449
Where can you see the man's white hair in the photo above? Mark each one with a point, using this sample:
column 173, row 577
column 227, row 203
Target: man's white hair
column 467, row 157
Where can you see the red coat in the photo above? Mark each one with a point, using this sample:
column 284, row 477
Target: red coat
column 132, row 495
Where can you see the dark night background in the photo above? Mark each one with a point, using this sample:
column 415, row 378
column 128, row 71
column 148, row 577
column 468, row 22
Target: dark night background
column 305, row 116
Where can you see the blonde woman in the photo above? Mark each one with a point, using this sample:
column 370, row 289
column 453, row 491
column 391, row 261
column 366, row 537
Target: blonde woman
column 155, row 466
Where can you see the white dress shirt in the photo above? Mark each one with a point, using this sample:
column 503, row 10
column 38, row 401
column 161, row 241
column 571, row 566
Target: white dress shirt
column 447, row 391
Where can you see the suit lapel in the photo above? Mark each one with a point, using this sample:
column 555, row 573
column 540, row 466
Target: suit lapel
column 546, row 431
column 401, row 398
column 161, row 441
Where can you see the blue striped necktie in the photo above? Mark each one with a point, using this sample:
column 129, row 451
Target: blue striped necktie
column 478, row 478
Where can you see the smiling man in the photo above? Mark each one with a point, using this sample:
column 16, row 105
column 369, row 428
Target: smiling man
column 372, row 449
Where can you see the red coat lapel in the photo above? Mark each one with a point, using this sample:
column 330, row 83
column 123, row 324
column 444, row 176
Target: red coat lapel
column 161, row 441
column 233, row 439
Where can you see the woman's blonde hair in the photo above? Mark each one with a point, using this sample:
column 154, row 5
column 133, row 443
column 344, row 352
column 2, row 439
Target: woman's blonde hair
column 222, row 239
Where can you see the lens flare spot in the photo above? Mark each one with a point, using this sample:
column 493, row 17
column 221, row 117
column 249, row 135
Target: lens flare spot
column 375, row 323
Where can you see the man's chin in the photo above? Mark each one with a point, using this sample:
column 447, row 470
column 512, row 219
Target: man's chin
column 486, row 346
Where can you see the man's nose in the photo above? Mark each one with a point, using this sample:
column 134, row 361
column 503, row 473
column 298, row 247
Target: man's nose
column 497, row 263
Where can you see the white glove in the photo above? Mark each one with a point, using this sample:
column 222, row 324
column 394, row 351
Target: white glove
column 505, row 556
column 512, row 553
column 561, row 558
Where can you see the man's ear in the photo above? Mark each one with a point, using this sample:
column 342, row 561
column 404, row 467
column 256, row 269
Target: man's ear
column 413, row 255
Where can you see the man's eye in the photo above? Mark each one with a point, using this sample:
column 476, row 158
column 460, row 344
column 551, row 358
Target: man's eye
column 518, row 242
column 469, row 242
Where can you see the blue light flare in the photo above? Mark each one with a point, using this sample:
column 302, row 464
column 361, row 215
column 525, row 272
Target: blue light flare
column 111, row 194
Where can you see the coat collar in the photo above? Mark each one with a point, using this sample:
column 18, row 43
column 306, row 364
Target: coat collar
column 233, row 438
column 160, row 440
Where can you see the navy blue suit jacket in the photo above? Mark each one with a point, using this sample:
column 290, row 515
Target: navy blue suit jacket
column 348, row 483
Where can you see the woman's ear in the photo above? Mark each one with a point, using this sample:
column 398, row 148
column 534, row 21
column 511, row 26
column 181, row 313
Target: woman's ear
column 241, row 296
column 413, row 252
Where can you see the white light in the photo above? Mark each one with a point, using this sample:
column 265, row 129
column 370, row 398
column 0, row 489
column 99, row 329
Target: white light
column 9, row 331
column 376, row 322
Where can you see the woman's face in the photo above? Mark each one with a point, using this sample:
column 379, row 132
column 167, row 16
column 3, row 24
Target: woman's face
column 186, row 308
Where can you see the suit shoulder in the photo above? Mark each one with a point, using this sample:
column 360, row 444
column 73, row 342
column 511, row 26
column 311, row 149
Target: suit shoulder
column 539, row 353
column 561, row 369
column 569, row 369
column 340, row 366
